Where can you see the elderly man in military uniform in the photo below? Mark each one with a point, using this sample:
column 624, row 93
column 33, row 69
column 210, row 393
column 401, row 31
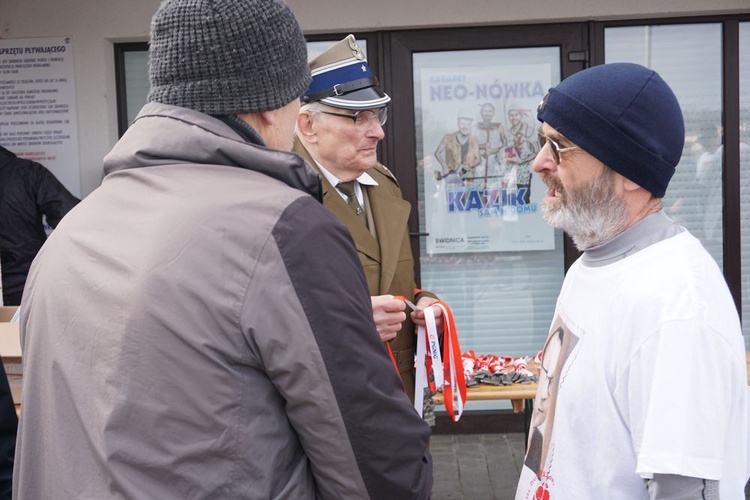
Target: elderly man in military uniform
column 338, row 130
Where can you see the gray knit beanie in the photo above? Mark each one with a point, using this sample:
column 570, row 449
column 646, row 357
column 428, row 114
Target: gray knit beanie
column 224, row 57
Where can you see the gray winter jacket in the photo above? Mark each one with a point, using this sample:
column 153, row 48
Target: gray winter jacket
column 200, row 327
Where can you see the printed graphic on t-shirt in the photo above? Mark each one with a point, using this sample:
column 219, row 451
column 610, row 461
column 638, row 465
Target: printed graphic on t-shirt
column 540, row 451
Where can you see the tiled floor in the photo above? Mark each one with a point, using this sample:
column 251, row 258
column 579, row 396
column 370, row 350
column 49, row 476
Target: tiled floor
column 476, row 466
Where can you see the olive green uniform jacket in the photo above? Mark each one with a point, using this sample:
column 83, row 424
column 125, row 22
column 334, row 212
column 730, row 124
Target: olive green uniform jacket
column 387, row 260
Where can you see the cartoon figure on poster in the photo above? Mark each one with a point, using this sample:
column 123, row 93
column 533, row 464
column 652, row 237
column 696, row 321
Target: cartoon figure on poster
column 478, row 125
column 458, row 153
column 524, row 145
column 492, row 140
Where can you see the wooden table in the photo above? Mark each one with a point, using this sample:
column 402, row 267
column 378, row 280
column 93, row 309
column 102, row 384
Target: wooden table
column 516, row 393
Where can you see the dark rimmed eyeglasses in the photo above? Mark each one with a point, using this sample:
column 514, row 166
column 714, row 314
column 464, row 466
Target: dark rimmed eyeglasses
column 364, row 118
column 555, row 147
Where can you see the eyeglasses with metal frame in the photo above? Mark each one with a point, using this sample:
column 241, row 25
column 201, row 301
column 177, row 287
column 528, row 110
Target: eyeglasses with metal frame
column 365, row 117
column 555, row 147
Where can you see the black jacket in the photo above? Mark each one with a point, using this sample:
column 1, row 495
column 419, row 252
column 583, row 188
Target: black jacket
column 28, row 191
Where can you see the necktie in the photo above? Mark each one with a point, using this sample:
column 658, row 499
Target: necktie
column 348, row 189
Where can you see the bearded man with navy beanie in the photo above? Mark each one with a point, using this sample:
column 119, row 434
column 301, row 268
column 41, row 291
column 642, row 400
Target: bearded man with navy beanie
column 649, row 396
column 200, row 325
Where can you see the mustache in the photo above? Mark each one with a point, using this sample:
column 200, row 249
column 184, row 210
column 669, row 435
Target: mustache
column 552, row 181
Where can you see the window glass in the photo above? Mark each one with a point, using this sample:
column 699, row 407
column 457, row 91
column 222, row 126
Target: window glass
column 136, row 81
column 745, row 174
column 688, row 57
column 485, row 249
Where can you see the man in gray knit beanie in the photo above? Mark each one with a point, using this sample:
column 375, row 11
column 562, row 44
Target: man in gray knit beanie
column 200, row 325
column 225, row 57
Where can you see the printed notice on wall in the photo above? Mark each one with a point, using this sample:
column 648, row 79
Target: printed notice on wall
column 38, row 105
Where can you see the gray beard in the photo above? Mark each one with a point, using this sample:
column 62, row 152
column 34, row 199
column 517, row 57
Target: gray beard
column 591, row 214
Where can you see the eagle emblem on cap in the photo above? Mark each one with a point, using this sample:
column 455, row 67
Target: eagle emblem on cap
column 356, row 51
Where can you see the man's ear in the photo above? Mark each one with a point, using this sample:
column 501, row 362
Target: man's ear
column 305, row 128
column 259, row 121
column 268, row 117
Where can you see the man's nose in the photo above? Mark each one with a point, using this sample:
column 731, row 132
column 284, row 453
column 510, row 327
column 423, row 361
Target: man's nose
column 376, row 130
column 544, row 160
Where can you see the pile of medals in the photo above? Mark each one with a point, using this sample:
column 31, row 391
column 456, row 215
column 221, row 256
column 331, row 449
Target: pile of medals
column 495, row 370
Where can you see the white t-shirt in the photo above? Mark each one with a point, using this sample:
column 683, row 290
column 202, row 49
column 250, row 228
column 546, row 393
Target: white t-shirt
column 651, row 379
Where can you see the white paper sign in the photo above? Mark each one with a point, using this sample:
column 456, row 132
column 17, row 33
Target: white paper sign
column 38, row 105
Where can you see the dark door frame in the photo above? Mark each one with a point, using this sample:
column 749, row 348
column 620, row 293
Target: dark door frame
column 120, row 87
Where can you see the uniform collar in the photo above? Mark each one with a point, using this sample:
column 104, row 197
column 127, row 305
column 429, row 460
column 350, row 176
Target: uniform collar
column 365, row 178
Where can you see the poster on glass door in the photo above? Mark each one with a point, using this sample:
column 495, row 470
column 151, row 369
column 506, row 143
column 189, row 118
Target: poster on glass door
column 480, row 137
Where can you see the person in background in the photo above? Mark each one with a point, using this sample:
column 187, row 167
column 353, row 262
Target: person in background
column 8, row 432
column 491, row 138
column 338, row 129
column 652, row 402
column 29, row 193
column 184, row 330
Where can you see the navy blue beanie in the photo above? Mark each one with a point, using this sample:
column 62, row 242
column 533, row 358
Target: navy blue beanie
column 624, row 115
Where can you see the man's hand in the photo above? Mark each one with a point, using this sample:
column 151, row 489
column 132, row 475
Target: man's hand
column 418, row 316
column 388, row 313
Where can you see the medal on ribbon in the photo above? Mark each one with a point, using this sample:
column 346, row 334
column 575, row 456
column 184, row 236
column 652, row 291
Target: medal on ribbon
column 446, row 369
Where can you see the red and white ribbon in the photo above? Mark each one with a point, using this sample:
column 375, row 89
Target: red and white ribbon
column 447, row 369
